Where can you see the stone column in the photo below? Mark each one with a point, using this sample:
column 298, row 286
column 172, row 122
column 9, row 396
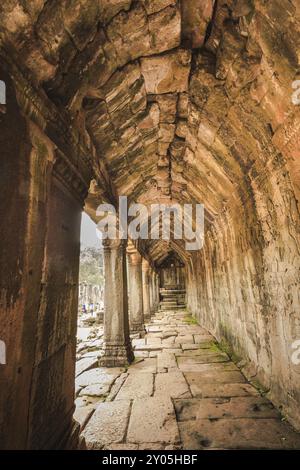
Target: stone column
column 156, row 286
column 159, row 287
column 146, row 291
column 136, row 317
column 155, row 304
column 117, row 345
column 152, row 299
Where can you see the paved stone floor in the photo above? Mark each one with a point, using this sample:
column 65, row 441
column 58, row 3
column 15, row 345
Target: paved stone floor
column 182, row 392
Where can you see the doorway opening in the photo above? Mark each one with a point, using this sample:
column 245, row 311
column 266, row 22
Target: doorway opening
column 172, row 283
column 90, row 310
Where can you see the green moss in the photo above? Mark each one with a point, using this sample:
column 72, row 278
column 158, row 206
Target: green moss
column 214, row 347
column 190, row 320
column 225, row 347
column 226, row 342
column 261, row 388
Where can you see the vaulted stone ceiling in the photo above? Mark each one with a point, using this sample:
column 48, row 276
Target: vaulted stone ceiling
column 184, row 101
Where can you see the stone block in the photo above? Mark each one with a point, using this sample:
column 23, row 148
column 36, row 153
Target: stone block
column 108, row 424
column 153, row 420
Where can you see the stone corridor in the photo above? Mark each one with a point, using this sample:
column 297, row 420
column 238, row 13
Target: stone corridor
column 182, row 392
column 169, row 103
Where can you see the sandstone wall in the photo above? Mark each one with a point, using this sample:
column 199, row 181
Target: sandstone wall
column 245, row 288
column 40, row 218
column 161, row 101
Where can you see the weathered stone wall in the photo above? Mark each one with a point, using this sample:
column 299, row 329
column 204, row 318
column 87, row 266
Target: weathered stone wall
column 185, row 102
column 40, row 229
column 25, row 164
column 243, row 146
column 52, row 389
column 245, row 287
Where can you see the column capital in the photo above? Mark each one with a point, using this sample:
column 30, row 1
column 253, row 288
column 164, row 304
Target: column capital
column 114, row 244
column 134, row 257
column 145, row 265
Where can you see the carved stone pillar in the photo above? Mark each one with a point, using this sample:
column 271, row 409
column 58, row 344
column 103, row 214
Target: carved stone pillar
column 156, row 289
column 154, row 296
column 146, row 291
column 136, row 318
column 151, row 292
column 117, row 345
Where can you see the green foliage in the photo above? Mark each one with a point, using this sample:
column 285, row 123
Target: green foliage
column 190, row 320
column 214, row 347
column 91, row 266
column 225, row 347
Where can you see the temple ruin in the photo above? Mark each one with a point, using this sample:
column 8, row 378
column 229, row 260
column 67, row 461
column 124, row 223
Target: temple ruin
column 161, row 101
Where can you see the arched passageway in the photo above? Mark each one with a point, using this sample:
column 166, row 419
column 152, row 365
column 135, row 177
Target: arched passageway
column 161, row 101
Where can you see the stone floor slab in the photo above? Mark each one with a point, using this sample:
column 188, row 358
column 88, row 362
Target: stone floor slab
column 189, row 346
column 108, row 424
column 245, row 433
column 148, row 365
column 153, row 341
column 154, row 329
column 153, row 420
column 202, row 357
column 207, row 390
column 101, row 375
column 92, row 354
column 116, row 387
column 169, row 341
column 198, row 351
column 212, row 377
column 148, row 347
column 120, row 447
column 205, row 338
column 85, row 364
column 184, row 339
column 173, row 350
column 171, row 384
column 141, row 354
column 168, row 334
column 166, row 360
column 216, row 408
column 82, row 414
column 138, row 342
column 95, row 390
column 202, row 363
column 138, row 385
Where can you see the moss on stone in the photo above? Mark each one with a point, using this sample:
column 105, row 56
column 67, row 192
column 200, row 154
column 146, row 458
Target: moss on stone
column 214, row 347
column 190, row 320
column 258, row 385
